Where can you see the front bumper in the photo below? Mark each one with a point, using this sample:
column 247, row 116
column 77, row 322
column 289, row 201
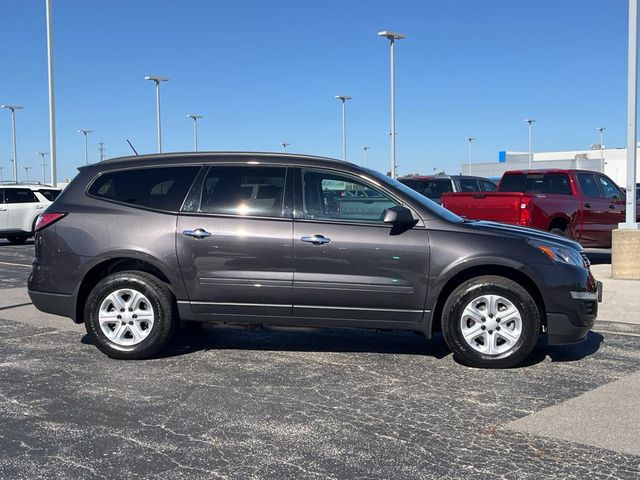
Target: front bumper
column 574, row 323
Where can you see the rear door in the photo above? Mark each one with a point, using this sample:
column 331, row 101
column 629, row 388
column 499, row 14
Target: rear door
column 234, row 242
column 349, row 265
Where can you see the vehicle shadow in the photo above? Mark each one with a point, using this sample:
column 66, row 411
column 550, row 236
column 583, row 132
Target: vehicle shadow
column 599, row 257
column 7, row 243
column 564, row 353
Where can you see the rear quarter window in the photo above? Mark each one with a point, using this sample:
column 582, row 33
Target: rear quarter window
column 159, row 188
column 512, row 183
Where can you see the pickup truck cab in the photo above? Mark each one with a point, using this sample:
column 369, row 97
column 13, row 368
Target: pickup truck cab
column 434, row 186
column 579, row 204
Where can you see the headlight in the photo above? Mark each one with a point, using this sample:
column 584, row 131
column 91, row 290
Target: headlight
column 559, row 254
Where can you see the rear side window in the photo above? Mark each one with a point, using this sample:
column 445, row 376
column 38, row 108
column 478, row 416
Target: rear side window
column 160, row 188
column 557, row 184
column 469, row 185
column 246, row 191
column 512, row 183
column 588, row 185
column 50, row 195
column 19, row 195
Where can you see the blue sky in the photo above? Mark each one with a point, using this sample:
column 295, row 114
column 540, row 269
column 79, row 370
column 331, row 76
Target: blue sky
column 263, row 72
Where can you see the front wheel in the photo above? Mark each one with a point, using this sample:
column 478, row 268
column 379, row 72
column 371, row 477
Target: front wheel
column 490, row 322
column 17, row 239
column 130, row 315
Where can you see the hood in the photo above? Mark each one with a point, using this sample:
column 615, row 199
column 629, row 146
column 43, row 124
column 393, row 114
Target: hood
column 522, row 232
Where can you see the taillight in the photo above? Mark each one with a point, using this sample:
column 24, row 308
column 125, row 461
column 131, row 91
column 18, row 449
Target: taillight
column 47, row 219
column 525, row 211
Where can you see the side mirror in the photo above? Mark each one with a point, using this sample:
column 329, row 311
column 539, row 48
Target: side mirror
column 399, row 216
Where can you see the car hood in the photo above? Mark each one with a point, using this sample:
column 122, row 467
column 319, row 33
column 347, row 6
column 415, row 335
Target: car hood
column 522, row 232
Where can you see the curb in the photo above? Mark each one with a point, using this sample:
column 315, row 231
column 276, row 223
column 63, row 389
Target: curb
column 616, row 327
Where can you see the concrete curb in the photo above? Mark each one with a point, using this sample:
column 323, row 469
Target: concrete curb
column 616, row 327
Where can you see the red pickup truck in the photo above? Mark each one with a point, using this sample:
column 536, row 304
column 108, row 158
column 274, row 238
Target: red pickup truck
column 578, row 204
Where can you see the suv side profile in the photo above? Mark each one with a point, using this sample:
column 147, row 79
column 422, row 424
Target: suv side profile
column 134, row 246
column 20, row 205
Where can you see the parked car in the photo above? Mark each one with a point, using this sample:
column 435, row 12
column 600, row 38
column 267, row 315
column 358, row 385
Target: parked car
column 134, row 246
column 582, row 205
column 20, row 205
column 433, row 186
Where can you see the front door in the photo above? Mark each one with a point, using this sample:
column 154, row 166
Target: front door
column 234, row 242
column 615, row 203
column 349, row 265
column 594, row 211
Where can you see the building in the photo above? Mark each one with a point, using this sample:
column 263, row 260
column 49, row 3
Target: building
column 615, row 163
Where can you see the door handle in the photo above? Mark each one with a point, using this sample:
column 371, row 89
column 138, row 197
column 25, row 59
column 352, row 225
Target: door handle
column 39, row 207
column 3, row 209
column 316, row 239
column 612, row 206
column 197, row 233
column 587, row 205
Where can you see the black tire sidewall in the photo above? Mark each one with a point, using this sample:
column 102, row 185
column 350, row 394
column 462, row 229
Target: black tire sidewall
column 508, row 289
column 17, row 239
column 161, row 301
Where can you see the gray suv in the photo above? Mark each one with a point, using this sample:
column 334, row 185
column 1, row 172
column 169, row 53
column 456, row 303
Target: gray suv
column 136, row 247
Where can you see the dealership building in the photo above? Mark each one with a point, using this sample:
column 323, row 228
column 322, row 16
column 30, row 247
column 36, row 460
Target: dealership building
column 615, row 163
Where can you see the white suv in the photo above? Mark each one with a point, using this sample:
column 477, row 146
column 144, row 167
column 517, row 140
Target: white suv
column 20, row 206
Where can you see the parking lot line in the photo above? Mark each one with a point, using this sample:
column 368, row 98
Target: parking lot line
column 15, row 264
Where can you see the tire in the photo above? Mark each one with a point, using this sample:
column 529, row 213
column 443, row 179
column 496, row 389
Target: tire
column 559, row 231
column 129, row 328
column 493, row 342
column 17, row 239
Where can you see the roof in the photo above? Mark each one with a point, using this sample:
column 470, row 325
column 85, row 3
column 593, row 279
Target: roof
column 32, row 186
column 549, row 170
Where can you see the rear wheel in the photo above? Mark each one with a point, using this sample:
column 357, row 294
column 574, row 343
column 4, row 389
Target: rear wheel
column 490, row 322
column 130, row 315
column 559, row 231
column 17, row 239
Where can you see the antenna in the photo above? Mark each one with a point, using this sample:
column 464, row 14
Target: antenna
column 134, row 150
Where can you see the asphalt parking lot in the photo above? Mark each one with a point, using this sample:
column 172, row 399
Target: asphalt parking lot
column 227, row 403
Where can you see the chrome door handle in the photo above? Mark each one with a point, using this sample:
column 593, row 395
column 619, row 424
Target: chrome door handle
column 197, row 233
column 2, row 209
column 316, row 239
column 587, row 205
column 39, row 207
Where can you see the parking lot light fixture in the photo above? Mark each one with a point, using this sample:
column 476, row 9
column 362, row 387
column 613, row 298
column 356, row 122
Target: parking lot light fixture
column 157, row 80
column 530, row 121
column 392, row 37
column 284, row 146
column 470, row 140
column 601, row 130
column 86, row 150
column 43, row 165
column 13, row 109
column 343, row 99
column 195, row 118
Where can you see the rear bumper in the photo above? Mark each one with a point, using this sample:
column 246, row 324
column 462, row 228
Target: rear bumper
column 54, row 303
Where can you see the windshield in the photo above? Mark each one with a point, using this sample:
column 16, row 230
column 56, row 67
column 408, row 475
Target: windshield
column 421, row 199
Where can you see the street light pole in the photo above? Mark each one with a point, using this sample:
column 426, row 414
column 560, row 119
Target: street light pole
column 530, row 122
column 601, row 130
column 1, row 168
column 195, row 129
column 26, row 169
column 365, row 155
column 86, row 150
column 470, row 140
column 13, row 109
column 157, row 79
column 284, row 146
column 52, row 102
column 42, row 166
column 392, row 37
column 343, row 99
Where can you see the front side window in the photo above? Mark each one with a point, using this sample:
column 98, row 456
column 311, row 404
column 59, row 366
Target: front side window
column 329, row 196
column 159, row 188
column 588, row 185
column 608, row 189
column 19, row 195
column 244, row 190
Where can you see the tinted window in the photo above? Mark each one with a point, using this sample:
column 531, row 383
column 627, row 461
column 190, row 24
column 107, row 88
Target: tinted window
column 19, row 195
column 327, row 196
column 608, row 189
column 254, row 191
column 161, row 188
column 588, row 185
column 557, row 184
column 487, row 186
column 469, row 185
column 512, row 183
column 50, row 195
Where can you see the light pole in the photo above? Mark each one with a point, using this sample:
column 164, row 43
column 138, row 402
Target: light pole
column 343, row 99
column 392, row 38
column 52, row 103
column 284, row 146
column 157, row 80
column 13, row 109
column 365, row 155
column 1, row 168
column 601, row 130
column 470, row 140
column 530, row 122
column 86, row 150
column 42, row 165
column 26, row 169
column 195, row 129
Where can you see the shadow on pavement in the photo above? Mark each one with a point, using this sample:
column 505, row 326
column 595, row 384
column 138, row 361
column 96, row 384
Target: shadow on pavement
column 6, row 243
column 599, row 257
column 564, row 353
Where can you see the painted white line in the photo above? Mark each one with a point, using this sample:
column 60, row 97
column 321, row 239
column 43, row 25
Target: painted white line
column 15, row 264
